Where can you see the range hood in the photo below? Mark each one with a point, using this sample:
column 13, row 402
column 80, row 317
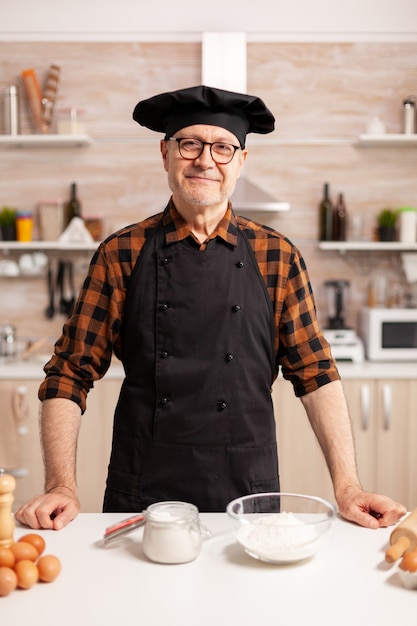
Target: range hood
column 249, row 197
column 224, row 67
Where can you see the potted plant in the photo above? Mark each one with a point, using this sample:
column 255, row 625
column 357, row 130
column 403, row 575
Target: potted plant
column 387, row 219
column 8, row 224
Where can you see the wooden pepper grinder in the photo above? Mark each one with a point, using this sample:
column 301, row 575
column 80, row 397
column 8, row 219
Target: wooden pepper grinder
column 7, row 486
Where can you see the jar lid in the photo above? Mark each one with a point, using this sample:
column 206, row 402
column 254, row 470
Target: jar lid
column 407, row 208
column 122, row 528
column 171, row 511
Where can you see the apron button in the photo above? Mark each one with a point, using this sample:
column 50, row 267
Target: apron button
column 221, row 405
column 236, row 308
column 229, row 357
column 164, row 306
column 164, row 400
column 164, row 354
column 240, row 264
column 165, row 261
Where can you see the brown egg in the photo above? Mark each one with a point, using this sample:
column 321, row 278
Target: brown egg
column 36, row 540
column 24, row 551
column 6, row 557
column 8, row 581
column 27, row 574
column 409, row 562
column 49, row 567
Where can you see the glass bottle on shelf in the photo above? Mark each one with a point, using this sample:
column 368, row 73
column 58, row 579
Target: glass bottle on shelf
column 73, row 206
column 326, row 216
column 340, row 219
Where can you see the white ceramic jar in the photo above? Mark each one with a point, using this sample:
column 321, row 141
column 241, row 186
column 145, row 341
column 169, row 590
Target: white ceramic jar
column 173, row 532
column 409, row 115
column 407, row 225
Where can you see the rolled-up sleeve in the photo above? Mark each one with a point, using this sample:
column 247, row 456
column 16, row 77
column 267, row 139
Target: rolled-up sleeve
column 83, row 353
column 303, row 352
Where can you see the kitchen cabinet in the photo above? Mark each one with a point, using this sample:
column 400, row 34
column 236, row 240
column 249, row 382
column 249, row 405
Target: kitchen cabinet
column 20, row 451
column 385, row 429
column 94, row 444
column 302, row 467
column 383, row 416
column 384, row 413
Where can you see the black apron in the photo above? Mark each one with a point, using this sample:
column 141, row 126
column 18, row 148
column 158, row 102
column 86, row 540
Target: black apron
column 194, row 420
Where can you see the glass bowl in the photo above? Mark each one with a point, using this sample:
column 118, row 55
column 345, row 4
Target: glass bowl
column 280, row 527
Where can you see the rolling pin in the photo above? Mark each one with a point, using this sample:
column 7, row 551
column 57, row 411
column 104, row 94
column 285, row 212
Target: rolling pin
column 403, row 538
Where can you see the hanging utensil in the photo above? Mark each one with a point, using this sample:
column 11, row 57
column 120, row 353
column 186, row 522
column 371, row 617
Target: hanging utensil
column 67, row 289
column 60, row 287
column 72, row 298
column 50, row 309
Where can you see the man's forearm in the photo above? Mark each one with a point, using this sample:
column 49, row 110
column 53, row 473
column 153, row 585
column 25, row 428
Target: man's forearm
column 328, row 414
column 59, row 427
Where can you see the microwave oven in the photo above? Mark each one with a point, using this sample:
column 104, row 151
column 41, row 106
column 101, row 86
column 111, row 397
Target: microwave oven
column 389, row 334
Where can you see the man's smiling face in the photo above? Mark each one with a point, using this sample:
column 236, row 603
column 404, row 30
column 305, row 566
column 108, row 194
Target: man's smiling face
column 202, row 181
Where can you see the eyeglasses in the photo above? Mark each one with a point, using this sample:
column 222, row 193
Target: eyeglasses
column 190, row 148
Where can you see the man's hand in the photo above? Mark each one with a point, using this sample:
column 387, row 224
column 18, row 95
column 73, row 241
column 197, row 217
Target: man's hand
column 369, row 509
column 52, row 510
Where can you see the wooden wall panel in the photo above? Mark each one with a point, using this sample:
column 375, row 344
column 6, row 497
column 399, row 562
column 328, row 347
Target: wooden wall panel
column 316, row 90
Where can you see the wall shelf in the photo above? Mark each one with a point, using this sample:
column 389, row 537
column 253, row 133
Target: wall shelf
column 338, row 246
column 370, row 246
column 399, row 139
column 54, row 140
column 7, row 247
column 44, row 141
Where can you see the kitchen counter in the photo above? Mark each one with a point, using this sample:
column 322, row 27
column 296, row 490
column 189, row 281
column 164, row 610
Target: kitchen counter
column 347, row 583
column 33, row 370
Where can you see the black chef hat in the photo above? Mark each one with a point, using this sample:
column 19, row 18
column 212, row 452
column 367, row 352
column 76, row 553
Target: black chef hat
column 237, row 112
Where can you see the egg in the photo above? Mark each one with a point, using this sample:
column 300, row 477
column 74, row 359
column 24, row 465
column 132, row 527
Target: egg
column 27, row 574
column 6, row 557
column 35, row 540
column 409, row 562
column 24, row 551
column 8, row 581
column 49, row 567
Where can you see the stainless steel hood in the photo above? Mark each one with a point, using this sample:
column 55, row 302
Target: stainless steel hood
column 249, row 197
column 224, row 66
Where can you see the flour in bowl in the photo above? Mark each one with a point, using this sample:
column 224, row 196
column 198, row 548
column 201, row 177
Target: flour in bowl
column 278, row 537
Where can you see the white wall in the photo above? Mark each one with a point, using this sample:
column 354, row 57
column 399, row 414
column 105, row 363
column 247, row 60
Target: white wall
column 185, row 19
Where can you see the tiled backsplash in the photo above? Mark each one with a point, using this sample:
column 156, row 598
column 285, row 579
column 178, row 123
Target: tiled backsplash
column 323, row 96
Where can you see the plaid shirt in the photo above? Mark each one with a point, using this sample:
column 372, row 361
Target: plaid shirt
column 84, row 351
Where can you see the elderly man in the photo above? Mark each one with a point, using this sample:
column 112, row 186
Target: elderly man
column 202, row 307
